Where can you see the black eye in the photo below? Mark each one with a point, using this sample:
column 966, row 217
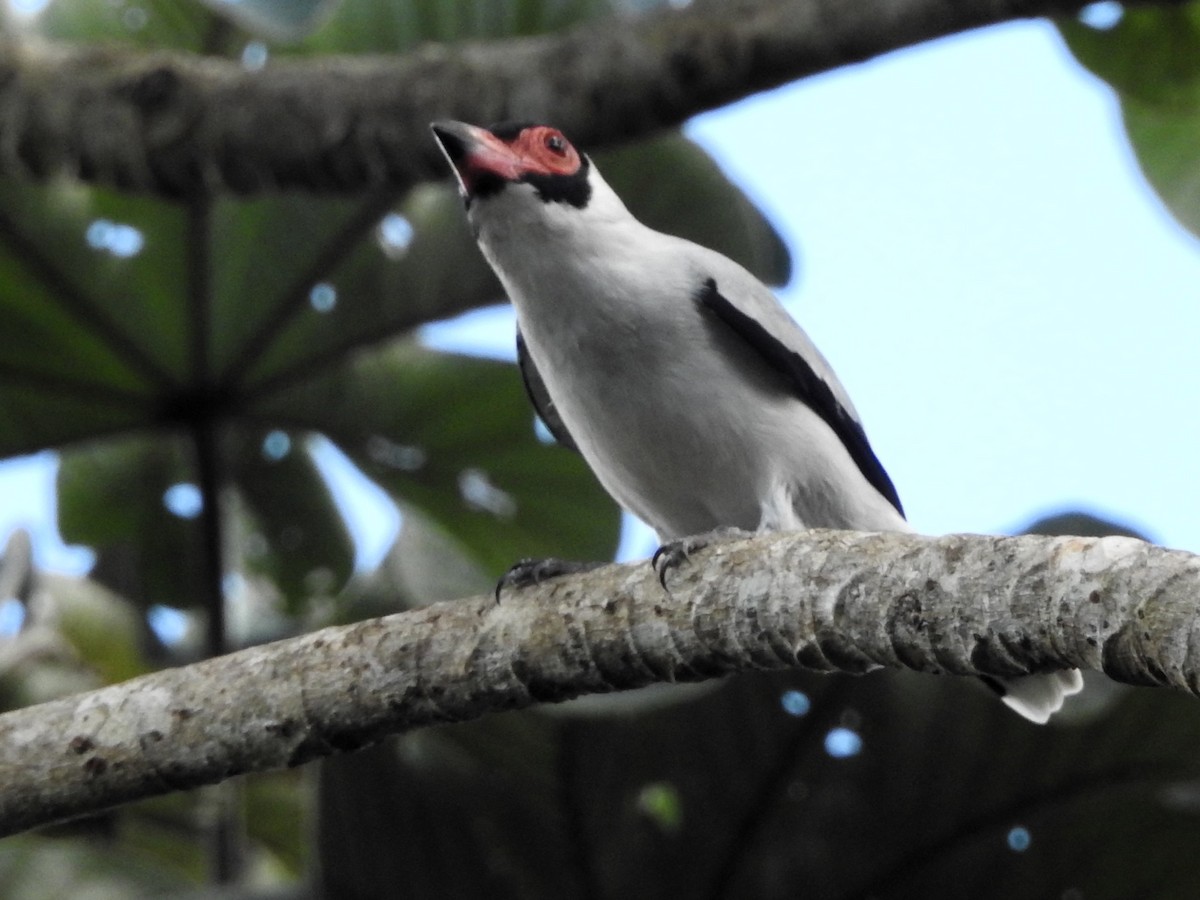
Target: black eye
column 556, row 144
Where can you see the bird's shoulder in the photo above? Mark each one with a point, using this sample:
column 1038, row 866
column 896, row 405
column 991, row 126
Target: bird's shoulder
column 746, row 294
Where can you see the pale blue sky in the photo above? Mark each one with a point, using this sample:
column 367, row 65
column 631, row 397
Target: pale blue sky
column 1010, row 307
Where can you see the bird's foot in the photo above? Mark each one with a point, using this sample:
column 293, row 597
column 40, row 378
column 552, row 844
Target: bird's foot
column 673, row 554
column 528, row 572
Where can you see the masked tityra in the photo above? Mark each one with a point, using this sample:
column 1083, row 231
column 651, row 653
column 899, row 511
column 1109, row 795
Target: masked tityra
column 696, row 399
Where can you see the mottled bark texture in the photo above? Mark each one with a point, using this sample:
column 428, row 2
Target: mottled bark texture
column 176, row 125
column 824, row 600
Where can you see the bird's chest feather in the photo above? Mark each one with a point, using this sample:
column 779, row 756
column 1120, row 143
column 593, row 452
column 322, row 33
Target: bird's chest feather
column 615, row 356
column 641, row 379
column 640, row 394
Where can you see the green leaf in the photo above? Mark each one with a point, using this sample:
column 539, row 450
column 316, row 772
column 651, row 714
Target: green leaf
column 453, row 436
column 737, row 794
column 111, row 497
column 33, row 867
column 266, row 254
column 181, row 24
column 277, row 19
column 105, row 630
column 118, row 350
column 1151, row 57
column 429, row 565
column 90, row 332
column 425, row 564
column 304, row 548
column 385, row 26
column 278, row 818
column 372, row 291
column 43, row 413
column 159, row 847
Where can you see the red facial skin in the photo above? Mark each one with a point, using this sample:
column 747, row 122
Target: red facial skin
column 539, row 150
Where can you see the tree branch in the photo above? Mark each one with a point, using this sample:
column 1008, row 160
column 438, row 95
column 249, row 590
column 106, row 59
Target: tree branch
column 823, row 600
column 177, row 124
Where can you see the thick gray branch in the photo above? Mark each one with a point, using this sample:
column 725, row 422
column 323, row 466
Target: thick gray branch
column 175, row 124
column 823, row 600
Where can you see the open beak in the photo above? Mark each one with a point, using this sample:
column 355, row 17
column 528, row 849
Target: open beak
column 476, row 154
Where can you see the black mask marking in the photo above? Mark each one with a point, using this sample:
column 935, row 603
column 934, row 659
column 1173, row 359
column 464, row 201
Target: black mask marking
column 573, row 189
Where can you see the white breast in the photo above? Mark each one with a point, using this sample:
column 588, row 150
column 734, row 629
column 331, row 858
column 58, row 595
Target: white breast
column 680, row 420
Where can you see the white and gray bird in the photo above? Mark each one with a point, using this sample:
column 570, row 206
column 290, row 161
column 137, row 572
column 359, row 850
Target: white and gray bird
column 696, row 399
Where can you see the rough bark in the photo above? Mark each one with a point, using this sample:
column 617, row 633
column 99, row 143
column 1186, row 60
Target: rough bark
column 176, row 124
column 823, row 600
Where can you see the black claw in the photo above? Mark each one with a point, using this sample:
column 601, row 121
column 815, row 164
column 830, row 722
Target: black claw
column 518, row 575
column 673, row 554
column 528, row 572
column 661, row 551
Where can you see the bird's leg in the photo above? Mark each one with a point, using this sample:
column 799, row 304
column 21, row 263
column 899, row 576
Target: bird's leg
column 528, row 572
column 673, row 554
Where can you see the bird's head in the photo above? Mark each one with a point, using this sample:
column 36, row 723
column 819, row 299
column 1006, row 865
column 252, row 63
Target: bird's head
column 491, row 161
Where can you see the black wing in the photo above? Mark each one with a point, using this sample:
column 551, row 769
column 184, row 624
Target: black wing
column 806, row 384
column 540, row 397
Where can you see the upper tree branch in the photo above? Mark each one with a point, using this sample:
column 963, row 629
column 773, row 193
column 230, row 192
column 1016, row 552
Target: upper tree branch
column 824, row 600
column 177, row 124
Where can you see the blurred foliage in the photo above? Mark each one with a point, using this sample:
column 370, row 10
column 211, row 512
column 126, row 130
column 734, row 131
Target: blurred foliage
column 284, row 324
column 1151, row 58
column 894, row 785
column 147, row 340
